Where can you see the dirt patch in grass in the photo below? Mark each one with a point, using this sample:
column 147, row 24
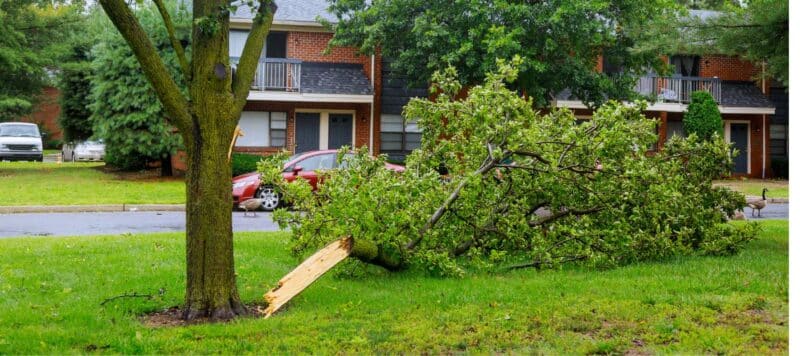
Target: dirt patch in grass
column 173, row 317
column 147, row 175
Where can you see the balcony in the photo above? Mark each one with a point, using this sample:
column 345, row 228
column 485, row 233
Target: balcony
column 678, row 89
column 279, row 74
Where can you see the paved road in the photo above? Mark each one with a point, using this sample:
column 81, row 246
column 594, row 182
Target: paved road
column 772, row 211
column 71, row 224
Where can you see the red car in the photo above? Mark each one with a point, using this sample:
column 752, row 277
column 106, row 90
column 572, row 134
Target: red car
column 304, row 165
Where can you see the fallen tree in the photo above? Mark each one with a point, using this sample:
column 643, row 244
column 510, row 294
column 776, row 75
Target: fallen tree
column 522, row 189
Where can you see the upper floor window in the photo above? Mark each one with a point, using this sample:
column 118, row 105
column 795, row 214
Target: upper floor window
column 687, row 66
column 275, row 45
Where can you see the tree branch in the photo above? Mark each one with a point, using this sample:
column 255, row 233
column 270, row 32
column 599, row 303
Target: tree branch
column 561, row 214
column 437, row 215
column 168, row 92
column 176, row 45
column 248, row 62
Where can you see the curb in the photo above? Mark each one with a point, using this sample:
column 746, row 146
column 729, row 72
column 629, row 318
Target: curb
column 90, row 208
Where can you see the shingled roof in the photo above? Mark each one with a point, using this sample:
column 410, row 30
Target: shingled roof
column 292, row 10
column 743, row 94
column 334, row 78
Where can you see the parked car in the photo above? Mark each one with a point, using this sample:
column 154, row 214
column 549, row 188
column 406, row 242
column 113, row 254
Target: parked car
column 20, row 141
column 303, row 165
column 83, row 151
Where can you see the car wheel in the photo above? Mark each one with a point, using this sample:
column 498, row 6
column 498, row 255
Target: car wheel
column 271, row 200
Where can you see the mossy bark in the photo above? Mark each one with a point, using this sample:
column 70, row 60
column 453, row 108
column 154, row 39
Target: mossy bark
column 210, row 277
column 369, row 252
column 206, row 121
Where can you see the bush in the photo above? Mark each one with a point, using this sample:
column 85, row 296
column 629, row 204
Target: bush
column 780, row 168
column 242, row 163
column 703, row 117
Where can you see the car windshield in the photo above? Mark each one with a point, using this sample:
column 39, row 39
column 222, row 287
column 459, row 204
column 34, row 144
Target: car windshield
column 19, row 131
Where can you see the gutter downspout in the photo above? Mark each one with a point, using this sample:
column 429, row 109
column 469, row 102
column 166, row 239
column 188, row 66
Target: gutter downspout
column 372, row 108
column 764, row 127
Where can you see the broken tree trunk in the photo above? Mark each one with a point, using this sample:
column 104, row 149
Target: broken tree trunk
column 306, row 273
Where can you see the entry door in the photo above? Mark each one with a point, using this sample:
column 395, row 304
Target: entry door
column 740, row 134
column 340, row 130
column 306, row 132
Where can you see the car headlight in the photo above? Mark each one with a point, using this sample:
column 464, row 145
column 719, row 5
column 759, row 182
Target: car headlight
column 38, row 146
column 3, row 148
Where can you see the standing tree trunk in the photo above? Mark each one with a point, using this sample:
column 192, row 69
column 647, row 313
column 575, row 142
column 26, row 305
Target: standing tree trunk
column 210, row 279
column 206, row 121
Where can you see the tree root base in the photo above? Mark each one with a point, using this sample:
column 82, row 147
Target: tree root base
column 176, row 316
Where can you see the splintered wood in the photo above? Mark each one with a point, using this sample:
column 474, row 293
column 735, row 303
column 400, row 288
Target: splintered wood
column 306, row 273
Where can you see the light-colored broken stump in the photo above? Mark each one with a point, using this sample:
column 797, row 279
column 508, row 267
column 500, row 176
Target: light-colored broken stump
column 306, row 273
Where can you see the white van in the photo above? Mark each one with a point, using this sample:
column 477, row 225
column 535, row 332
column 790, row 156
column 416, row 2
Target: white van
column 20, row 141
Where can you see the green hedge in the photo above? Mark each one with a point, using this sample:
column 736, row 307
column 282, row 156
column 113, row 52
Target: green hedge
column 242, row 163
column 702, row 116
column 780, row 168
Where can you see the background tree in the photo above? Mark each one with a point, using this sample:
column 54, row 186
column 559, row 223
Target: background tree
column 523, row 189
column 31, row 46
column 205, row 116
column 559, row 41
column 126, row 112
column 75, row 86
column 75, row 75
column 757, row 32
column 703, row 117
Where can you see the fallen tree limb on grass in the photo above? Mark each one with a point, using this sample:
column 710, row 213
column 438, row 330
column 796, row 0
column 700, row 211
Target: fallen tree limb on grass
column 306, row 273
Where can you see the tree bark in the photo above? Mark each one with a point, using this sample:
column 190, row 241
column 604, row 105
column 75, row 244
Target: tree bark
column 206, row 123
column 210, row 278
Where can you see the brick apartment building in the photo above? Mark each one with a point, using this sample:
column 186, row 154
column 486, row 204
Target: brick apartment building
column 754, row 112
column 303, row 99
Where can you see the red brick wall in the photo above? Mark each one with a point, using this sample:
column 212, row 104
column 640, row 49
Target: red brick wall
column 727, row 68
column 46, row 113
column 310, row 46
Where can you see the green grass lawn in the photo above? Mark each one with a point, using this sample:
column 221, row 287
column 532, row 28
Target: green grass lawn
column 753, row 187
column 51, row 290
column 36, row 183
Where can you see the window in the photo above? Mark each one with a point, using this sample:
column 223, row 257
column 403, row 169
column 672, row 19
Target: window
column 276, row 45
column 277, row 129
column 777, row 140
column 254, row 125
column 675, row 128
column 318, row 162
column 262, row 129
column 399, row 137
column 687, row 66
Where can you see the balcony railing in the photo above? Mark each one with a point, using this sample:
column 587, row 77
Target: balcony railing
column 276, row 74
column 678, row 89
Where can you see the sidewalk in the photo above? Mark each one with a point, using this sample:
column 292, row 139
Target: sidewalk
column 89, row 208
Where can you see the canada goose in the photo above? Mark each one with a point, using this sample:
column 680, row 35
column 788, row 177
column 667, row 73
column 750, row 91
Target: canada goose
column 251, row 205
column 758, row 204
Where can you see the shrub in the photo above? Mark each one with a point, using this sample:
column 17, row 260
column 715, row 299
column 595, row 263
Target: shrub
column 780, row 168
column 703, row 117
column 242, row 163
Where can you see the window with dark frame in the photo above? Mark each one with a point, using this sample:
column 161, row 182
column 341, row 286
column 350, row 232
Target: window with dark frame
column 399, row 137
column 277, row 129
